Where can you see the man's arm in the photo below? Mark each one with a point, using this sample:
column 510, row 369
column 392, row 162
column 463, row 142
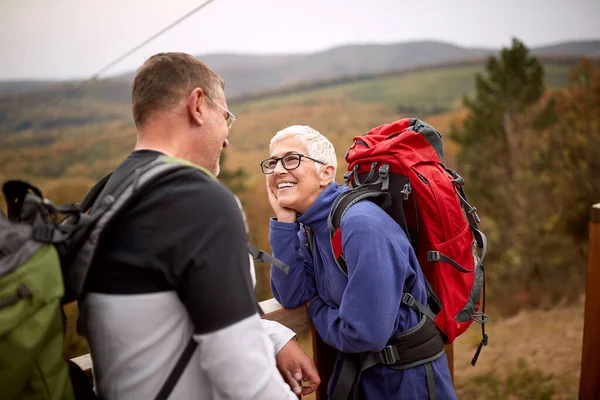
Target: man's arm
column 212, row 277
column 280, row 334
column 293, row 362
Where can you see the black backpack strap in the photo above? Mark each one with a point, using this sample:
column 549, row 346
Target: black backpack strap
column 343, row 203
column 177, row 371
column 421, row 309
column 419, row 345
column 91, row 196
column 104, row 203
column 263, row 256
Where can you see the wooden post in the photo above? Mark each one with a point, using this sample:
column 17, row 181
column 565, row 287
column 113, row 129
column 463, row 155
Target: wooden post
column 450, row 356
column 589, row 383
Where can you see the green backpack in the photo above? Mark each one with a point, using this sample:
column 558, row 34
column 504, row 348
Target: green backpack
column 31, row 291
column 45, row 254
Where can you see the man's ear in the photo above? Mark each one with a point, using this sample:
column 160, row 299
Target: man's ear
column 195, row 105
column 326, row 175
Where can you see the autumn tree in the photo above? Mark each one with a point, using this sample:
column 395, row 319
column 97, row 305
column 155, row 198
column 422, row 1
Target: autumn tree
column 530, row 159
column 496, row 151
column 573, row 151
column 233, row 179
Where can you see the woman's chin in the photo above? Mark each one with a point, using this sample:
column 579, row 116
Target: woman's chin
column 286, row 202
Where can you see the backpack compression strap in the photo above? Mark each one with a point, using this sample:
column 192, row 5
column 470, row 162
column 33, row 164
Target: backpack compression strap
column 473, row 220
column 262, row 256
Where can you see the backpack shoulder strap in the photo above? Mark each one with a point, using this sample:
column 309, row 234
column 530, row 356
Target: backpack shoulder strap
column 340, row 206
column 91, row 196
column 103, row 205
column 177, row 371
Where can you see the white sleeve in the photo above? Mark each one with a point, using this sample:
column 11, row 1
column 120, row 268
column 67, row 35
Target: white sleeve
column 279, row 333
column 240, row 364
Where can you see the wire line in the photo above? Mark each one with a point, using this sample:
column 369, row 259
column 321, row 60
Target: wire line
column 151, row 38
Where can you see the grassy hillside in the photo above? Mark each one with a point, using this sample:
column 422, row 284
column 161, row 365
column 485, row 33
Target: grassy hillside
column 71, row 104
column 16, row 86
column 66, row 160
column 339, row 111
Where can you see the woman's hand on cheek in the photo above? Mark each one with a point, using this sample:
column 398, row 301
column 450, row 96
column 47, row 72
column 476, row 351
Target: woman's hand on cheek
column 283, row 214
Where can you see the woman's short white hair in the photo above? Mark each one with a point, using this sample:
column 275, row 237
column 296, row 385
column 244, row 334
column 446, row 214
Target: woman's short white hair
column 317, row 145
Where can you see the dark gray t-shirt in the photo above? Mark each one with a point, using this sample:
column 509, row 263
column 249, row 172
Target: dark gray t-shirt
column 173, row 265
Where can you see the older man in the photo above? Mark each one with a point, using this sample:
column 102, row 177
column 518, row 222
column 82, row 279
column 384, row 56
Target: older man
column 175, row 266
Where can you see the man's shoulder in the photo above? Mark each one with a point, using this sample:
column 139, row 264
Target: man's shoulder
column 193, row 181
column 184, row 175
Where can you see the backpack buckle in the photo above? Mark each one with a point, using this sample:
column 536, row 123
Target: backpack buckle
column 408, row 299
column 433, row 255
column 384, row 171
column 388, row 356
column 473, row 211
column 347, row 177
column 42, row 233
column 260, row 256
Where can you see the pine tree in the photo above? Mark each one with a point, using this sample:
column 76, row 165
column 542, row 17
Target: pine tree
column 497, row 148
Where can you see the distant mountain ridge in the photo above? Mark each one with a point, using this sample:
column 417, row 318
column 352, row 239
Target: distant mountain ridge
column 247, row 73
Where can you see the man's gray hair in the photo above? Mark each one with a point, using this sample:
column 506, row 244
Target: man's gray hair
column 317, row 145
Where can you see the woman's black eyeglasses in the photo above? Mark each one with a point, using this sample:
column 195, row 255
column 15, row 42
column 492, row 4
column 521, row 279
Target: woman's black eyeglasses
column 289, row 162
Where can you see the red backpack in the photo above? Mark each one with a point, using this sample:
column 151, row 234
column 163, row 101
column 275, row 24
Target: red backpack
column 401, row 167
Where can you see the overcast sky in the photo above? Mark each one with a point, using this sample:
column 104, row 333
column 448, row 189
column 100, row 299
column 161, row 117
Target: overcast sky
column 75, row 38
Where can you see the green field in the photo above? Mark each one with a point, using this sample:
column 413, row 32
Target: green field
column 423, row 89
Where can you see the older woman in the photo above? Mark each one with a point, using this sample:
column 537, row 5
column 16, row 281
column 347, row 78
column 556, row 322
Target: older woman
column 360, row 313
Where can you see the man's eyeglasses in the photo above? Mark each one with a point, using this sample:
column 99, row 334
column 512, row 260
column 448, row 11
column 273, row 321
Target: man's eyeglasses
column 289, row 162
column 230, row 117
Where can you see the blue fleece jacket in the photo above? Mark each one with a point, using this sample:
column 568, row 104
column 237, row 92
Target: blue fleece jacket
column 362, row 311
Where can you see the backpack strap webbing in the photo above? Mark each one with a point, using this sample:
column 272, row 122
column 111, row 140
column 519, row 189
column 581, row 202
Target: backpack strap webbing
column 177, row 371
column 473, row 220
column 91, row 196
column 262, row 256
column 419, row 345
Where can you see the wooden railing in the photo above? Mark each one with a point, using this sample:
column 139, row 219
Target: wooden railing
column 297, row 320
column 589, row 384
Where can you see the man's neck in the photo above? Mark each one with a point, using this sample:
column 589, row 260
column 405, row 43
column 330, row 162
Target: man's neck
column 153, row 148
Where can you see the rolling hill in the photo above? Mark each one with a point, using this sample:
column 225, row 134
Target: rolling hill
column 108, row 100
column 341, row 111
column 246, row 73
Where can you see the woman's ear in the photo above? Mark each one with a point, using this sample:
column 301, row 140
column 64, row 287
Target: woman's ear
column 326, row 175
column 194, row 104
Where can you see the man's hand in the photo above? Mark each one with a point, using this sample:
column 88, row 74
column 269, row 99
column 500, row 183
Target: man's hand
column 297, row 367
column 282, row 214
